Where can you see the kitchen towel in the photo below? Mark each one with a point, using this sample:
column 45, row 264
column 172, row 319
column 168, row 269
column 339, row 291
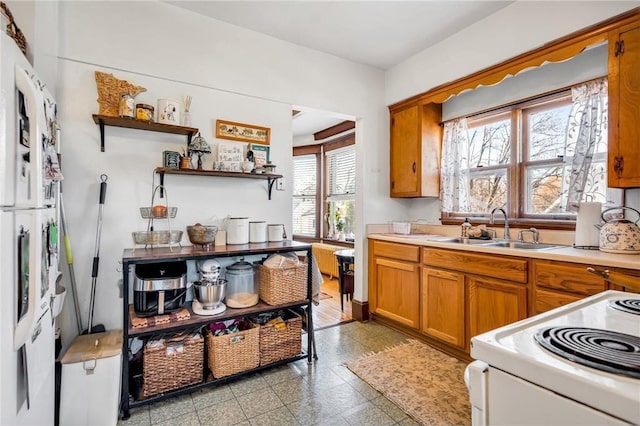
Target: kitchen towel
column 587, row 235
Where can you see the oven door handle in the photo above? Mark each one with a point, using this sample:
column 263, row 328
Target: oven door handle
column 617, row 278
column 476, row 378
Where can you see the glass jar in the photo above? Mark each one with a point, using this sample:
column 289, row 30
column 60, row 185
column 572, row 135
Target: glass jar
column 126, row 106
column 242, row 285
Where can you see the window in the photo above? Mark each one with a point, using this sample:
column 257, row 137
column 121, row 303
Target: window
column 305, row 191
column 341, row 189
column 324, row 186
column 536, row 159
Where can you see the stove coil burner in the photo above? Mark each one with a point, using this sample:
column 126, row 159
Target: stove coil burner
column 604, row 350
column 631, row 306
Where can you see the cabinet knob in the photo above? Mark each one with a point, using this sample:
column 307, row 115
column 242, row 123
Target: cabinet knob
column 413, row 167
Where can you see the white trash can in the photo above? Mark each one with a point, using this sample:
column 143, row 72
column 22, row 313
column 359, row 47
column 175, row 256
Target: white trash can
column 90, row 388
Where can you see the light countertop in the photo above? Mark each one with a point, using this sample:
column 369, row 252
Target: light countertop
column 562, row 253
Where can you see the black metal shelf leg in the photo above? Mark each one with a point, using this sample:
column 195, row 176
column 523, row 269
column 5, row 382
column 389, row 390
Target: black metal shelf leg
column 101, row 136
column 270, row 183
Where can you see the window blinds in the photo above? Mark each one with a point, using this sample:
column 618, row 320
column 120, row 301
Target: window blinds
column 341, row 173
column 304, row 195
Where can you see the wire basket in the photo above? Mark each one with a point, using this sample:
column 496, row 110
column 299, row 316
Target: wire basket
column 156, row 237
column 149, row 213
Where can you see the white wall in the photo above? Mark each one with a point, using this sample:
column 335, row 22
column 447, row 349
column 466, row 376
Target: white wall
column 515, row 29
column 502, row 35
column 231, row 73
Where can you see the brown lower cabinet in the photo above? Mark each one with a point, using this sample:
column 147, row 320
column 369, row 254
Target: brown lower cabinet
column 556, row 284
column 448, row 296
column 494, row 303
column 443, row 307
column 394, row 282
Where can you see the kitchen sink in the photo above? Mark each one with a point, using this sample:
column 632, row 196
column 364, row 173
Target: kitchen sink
column 459, row 240
column 522, row 246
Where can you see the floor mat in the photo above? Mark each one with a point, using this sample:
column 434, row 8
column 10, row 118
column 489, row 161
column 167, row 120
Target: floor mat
column 324, row 295
column 425, row 383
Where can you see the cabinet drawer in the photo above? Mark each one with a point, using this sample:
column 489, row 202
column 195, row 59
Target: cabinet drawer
column 396, row 251
column 546, row 300
column 572, row 278
column 481, row 264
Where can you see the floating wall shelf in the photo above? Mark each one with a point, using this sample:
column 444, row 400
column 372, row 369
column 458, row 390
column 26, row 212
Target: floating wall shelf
column 270, row 178
column 130, row 123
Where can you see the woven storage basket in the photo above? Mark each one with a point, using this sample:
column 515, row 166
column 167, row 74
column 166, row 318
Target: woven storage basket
column 283, row 285
column 281, row 341
column 233, row 353
column 175, row 364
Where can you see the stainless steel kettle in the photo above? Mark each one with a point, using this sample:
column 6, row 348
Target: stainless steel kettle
column 620, row 235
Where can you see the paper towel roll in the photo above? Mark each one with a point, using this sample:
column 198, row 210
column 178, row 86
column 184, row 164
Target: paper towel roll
column 587, row 235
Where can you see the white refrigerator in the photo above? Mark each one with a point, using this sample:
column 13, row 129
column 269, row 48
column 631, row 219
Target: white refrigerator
column 29, row 173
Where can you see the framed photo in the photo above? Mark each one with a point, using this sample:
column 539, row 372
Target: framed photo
column 171, row 159
column 260, row 154
column 242, row 132
column 230, row 156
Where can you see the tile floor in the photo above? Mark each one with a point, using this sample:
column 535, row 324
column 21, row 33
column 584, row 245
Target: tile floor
column 326, row 393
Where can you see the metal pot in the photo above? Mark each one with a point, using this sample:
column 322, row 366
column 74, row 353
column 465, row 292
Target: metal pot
column 620, row 235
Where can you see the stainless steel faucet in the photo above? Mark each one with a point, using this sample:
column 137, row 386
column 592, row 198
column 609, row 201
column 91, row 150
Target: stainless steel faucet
column 507, row 236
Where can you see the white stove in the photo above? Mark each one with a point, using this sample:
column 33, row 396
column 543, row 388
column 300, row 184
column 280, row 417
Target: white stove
column 522, row 375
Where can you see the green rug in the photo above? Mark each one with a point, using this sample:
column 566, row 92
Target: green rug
column 425, row 383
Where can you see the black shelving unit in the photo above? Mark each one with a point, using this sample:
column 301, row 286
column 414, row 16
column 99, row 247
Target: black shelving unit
column 132, row 257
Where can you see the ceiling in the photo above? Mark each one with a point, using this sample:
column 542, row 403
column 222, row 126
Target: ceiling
column 380, row 34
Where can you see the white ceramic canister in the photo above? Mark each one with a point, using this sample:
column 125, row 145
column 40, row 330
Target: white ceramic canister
column 257, row 232
column 276, row 232
column 238, row 230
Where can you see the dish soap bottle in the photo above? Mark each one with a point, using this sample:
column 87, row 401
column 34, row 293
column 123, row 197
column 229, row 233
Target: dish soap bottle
column 464, row 232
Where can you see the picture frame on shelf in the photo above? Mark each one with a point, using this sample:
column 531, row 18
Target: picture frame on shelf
column 260, row 154
column 242, row 132
column 230, row 156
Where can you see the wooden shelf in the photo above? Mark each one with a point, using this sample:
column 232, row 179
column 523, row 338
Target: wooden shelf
column 269, row 177
column 130, row 123
column 199, row 320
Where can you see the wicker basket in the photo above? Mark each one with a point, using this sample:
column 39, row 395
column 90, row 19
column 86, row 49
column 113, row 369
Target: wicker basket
column 281, row 341
column 283, row 285
column 177, row 363
column 233, row 353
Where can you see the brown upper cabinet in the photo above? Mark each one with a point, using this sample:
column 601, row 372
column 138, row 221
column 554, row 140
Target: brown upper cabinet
column 415, row 151
column 624, row 107
column 415, row 122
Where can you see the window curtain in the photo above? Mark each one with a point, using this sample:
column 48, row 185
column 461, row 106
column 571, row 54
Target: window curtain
column 586, row 127
column 454, row 177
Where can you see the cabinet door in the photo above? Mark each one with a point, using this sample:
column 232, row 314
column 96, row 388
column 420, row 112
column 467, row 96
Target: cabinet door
column 416, row 138
column 556, row 284
column 397, row 287
column 624, row 107
column 493, row 304
column 405, row 153
column 443, row 305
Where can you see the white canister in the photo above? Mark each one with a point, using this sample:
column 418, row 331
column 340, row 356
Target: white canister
column 257, row 232
column 238, row 230
column 168, row 111
column 221, row 238
column 276, row 232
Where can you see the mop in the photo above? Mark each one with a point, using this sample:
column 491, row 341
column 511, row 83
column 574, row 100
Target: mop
column 96, row 260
